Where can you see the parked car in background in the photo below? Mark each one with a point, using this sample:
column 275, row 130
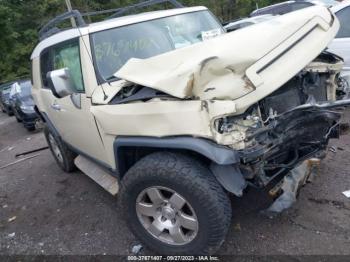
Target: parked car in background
column 341, row 44
column 15, row 89
column 22, row 104
column 5, row 98
column 241, row 23
column 2, row 87
column 290, row 6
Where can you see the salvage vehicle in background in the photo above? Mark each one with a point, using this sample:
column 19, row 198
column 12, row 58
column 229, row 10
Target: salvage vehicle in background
column 5, row 98
column 2, row 87
column 241, row 23
column 291, row 6
column 22, row 104
column 174, row 113
column 15, row 89
column 341, row 44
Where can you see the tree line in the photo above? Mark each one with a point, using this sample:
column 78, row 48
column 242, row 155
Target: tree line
column 20, row 21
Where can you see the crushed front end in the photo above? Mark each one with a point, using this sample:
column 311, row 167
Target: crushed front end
column 275, row 103
column 291, row 125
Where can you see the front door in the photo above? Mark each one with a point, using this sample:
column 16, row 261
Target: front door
column 71, row 114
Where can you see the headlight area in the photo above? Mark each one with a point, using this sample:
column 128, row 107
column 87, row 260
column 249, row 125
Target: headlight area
column 27, row 109
column 236, row 128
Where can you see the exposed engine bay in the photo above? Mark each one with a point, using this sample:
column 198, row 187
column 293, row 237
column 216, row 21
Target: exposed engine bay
column 290, row 125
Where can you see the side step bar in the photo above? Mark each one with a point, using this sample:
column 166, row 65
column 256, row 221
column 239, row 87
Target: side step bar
column 96, row 173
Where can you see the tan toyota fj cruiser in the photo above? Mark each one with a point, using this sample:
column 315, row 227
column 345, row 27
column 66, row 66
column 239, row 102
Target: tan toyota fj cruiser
column 172, row 113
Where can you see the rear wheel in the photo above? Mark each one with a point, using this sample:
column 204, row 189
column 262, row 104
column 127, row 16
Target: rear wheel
column 9, row 113
column 30, row 128
column 18, row 119
column 62, row 154
column 174, row 205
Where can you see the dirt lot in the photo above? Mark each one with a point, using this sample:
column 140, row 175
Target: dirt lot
column 45, row 211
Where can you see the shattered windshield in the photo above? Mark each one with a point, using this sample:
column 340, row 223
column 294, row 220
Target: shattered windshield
column 114, row 47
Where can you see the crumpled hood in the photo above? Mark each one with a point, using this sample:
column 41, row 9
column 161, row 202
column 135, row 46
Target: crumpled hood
column 235, row 64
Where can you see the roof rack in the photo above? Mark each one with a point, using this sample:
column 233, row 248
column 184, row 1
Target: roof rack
column 51, row 27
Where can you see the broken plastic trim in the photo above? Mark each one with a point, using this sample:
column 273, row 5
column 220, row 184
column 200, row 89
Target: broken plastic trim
column 308, row 106
column 325, row 105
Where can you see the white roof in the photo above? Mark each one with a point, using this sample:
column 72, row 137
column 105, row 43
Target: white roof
column 326, row 3
column 340, row 6
column 108, row 24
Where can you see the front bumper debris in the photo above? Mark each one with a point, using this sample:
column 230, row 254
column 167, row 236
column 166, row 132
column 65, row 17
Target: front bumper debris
column 289, row 139
column 287, row 190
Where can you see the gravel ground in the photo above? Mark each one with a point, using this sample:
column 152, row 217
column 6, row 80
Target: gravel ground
column 46, row 211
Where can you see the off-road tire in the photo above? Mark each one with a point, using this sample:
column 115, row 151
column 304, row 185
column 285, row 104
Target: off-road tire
column 18, row 120
column 9, row 113
column 68, row 156
column 193, row 181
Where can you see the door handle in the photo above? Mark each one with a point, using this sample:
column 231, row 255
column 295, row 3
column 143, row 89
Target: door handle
column 56, row 107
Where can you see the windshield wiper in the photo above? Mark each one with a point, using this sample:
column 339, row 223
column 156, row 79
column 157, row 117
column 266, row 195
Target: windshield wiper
column 112, row 79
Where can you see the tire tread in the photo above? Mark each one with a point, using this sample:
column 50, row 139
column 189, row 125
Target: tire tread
column 198, row 180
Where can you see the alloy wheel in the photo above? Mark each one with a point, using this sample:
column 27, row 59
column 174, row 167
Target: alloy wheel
column 55, row 149
column 167, row 215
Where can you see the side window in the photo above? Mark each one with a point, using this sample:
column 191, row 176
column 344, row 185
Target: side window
column 45, row 66
column 68, row 55
column 344, row 19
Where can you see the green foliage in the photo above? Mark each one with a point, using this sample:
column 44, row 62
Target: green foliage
column 20, row 21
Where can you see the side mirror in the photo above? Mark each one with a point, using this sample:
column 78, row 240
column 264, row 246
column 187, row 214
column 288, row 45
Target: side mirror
column 60, row 82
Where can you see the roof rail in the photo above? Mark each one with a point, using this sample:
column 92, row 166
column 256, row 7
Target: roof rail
column 124, row 10
column 51, row 27
column 119, row 11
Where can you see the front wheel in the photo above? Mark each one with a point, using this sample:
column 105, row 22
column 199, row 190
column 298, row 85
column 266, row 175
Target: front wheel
column 174, row 205
column 18, row 119
column 9, row 112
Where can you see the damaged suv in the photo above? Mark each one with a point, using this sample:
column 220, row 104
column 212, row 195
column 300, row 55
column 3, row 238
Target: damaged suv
column 173, row 114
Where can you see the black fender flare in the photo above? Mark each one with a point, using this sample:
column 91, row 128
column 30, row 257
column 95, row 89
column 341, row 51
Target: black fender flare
column 224, row 160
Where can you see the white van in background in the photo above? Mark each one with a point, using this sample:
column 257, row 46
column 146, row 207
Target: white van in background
column 341, row 44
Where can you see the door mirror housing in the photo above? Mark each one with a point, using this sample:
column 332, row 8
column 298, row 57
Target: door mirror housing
column 61, row 83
